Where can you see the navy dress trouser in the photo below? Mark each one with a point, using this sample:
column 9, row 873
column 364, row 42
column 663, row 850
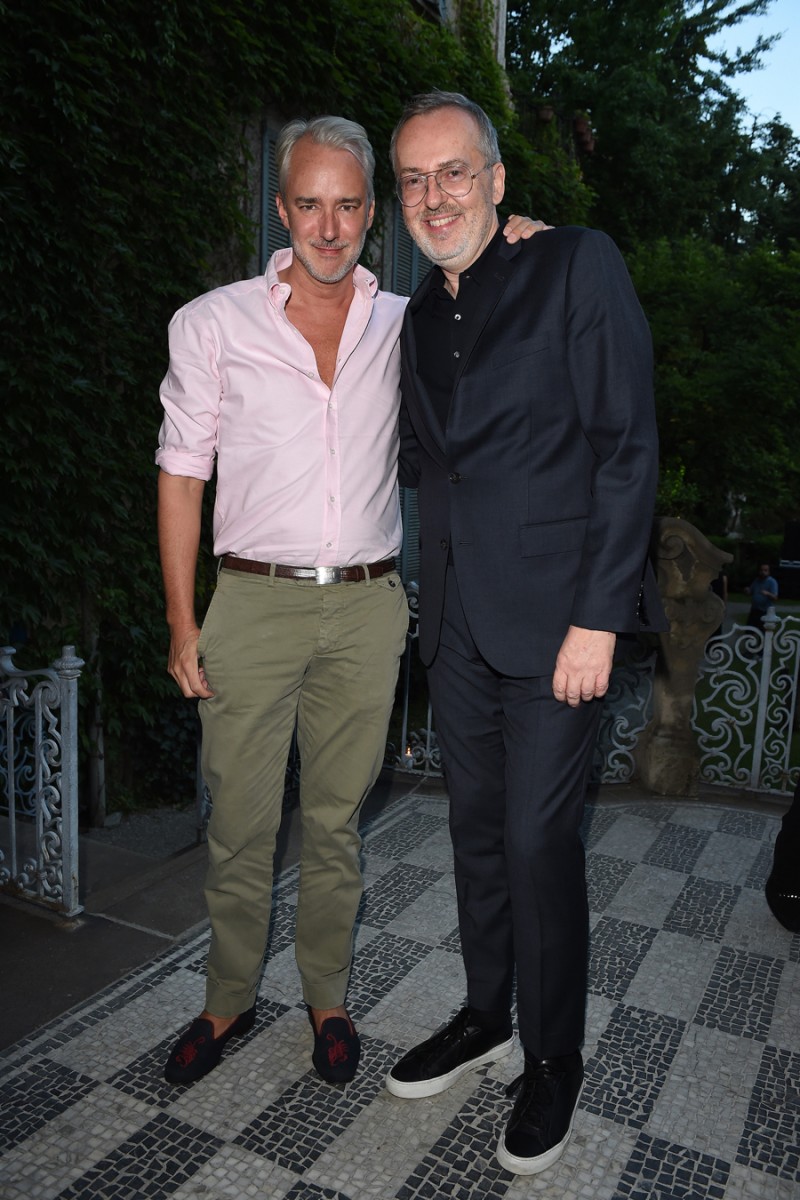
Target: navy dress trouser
column 516, row 763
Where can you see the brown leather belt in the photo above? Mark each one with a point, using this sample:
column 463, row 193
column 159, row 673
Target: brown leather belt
column 318, row 574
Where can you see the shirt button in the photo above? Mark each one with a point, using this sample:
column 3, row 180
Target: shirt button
column 332, row 499
column 332, row 450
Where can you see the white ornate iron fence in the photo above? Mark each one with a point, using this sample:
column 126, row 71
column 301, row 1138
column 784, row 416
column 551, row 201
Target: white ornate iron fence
column 746, row 704
column 39, row 777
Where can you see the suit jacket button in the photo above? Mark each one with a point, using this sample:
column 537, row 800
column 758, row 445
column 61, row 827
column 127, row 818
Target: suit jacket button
column 454, row 477
column 443, row 544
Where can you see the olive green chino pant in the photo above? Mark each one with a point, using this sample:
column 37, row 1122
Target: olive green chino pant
column 327, row 656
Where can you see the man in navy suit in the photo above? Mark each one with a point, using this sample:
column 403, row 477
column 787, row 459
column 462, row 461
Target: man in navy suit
column 528, row 426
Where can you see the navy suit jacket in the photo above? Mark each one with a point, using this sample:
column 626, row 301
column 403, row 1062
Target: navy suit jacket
column 543, row 483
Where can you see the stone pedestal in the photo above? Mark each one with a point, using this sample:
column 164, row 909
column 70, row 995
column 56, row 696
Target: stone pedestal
column 667, row 759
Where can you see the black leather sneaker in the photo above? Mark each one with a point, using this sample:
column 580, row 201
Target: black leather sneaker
column 437, row 1063
column 541, row 1122
column 197, row 1051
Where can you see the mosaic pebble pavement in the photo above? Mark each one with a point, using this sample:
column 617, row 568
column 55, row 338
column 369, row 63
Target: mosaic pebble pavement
column 692, row 1051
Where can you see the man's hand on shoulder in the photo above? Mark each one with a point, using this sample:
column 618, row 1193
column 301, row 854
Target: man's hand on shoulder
column 583, row 666
column 522, row 227
column 185, row 667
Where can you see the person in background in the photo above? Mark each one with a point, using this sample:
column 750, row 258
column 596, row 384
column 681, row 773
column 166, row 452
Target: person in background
column 763, row 592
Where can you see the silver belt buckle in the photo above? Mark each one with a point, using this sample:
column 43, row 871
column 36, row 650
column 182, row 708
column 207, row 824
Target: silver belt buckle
column 329, row 574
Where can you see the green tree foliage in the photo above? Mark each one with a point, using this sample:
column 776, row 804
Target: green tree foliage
column 727, row 328
column 706, row 205
column 125, row 169
column 668, row 154
column 774, row 214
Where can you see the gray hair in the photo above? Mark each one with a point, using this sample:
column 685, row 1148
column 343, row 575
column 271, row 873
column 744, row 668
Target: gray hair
column 337, row 132
column 432, row 101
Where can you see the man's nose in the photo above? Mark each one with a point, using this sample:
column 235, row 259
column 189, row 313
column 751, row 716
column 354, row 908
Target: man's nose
column 329, row 226
column 438, row 194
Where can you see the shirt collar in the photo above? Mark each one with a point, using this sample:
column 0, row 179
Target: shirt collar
column 364, row 281
column 480, row 268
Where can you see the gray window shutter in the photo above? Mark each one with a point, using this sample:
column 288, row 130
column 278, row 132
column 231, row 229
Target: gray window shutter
column 273, row 234
column 409, row 265
column 409, row 551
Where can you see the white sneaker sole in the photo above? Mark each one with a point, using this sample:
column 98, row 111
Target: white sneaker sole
column 432, row 1087
column 532, row 1166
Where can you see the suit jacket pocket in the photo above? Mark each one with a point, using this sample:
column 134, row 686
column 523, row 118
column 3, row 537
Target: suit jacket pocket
column 552, row 537
column 521, row 350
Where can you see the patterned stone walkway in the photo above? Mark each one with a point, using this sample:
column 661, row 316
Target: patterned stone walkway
column 692, row 1053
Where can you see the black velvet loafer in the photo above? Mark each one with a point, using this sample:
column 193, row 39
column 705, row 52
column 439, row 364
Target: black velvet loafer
column 337, row 1049
column 197, row 1051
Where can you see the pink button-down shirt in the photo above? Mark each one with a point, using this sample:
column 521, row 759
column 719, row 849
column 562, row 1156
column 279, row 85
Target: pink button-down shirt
column 305, row 475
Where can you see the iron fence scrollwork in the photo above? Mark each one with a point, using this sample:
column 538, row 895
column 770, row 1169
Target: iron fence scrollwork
column 39, row 774
column 745, row 706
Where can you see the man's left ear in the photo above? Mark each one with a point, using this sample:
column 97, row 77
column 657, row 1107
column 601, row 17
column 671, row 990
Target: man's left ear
column 498, row 182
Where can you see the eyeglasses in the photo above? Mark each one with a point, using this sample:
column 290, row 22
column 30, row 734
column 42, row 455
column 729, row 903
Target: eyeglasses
column 454, row 181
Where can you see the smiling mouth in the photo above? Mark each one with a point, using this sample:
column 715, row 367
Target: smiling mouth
column 441, row 220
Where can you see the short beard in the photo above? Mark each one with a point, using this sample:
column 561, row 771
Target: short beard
column 338, row 272
column 441, row 255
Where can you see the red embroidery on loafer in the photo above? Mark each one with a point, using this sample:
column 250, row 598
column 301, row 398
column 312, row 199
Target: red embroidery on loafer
column 188, row 1052
column 337, row 1051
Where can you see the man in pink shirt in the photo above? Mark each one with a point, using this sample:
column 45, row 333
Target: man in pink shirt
column 288, row 385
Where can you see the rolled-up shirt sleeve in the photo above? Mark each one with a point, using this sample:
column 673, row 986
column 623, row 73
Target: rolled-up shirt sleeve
column 191, row 394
